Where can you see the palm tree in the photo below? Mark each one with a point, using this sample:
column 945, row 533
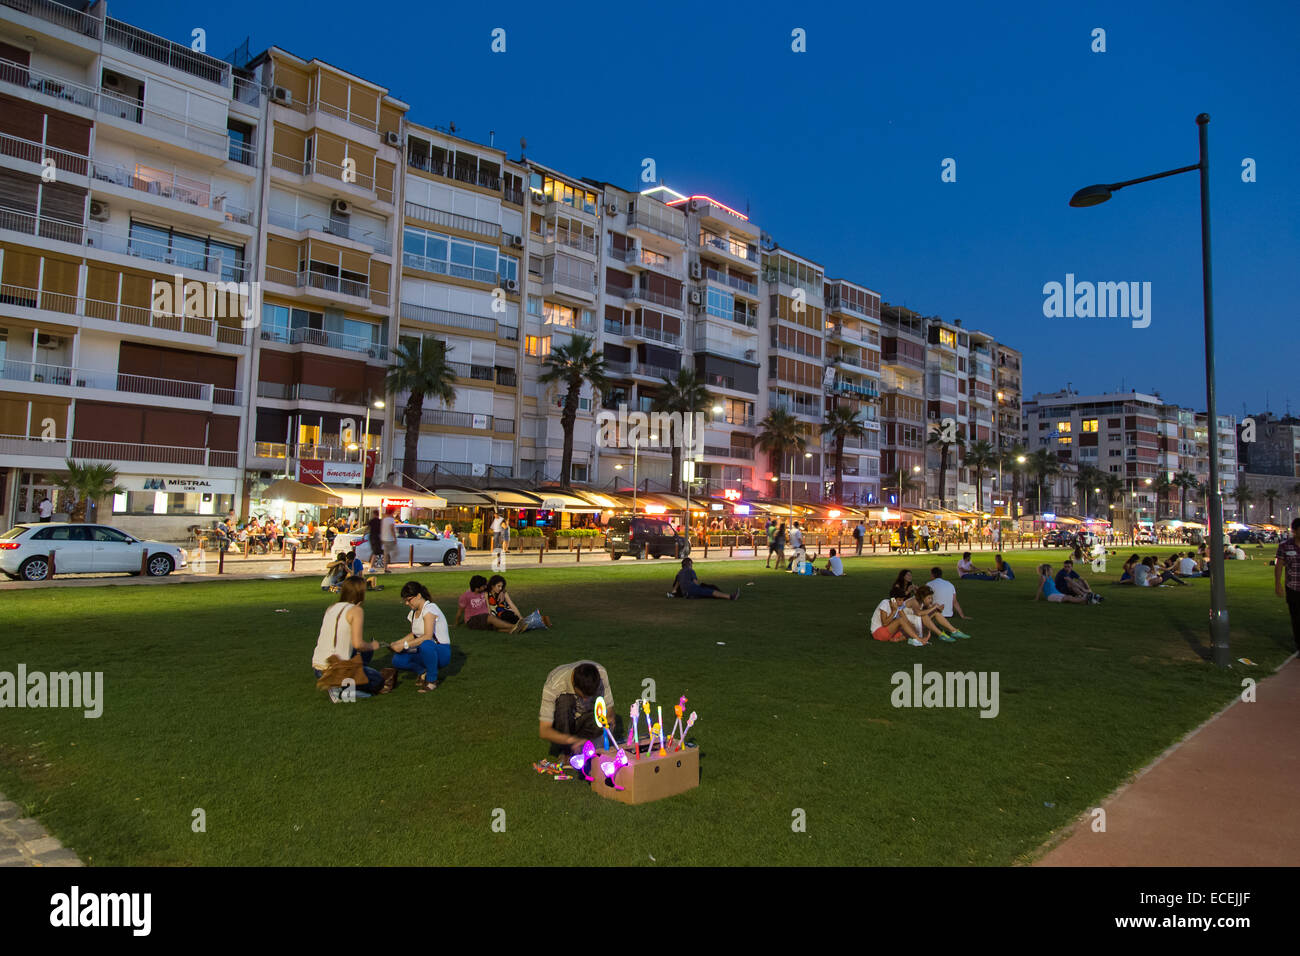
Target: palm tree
column 979, row 455
column 936, row 437
column 1164, row 486
column 842, row 423
column 1010, row 460
column 1087, row 480
column 907, row 484
column 686, row 396
column 573, row 364
column 780, row 433
column 423, row 371
column 1112, row 486
column 1044, row 464
column 1244, row 497
column 87, row 483
column 1270, row 494
column 1185, row 481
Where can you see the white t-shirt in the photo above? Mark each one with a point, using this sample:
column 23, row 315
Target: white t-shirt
column 335, row 636
column 440, row 632
column 45, row 508
column 836, row 565
column 1186, row 566
column 965, row 567
column 388, row 529
column 796, row 538
column 944, row 592
column 1141, row 575
column 497, row 524
column 884, row 612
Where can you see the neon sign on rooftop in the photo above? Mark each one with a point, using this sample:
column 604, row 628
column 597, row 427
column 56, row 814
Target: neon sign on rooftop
column 671, row 197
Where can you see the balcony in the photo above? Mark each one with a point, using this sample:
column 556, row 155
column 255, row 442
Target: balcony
column 443, row 268
column 230, row 270
column 515, row 196
column 447, row 319
column 735, row 282
column 451, row 419
column 473, row 373
column 794, row 349
column 901, row 360
column 635, row 330
column 567, row 238
column 64, row 376
column 166, row 52
column 709, row 242
column 60, row 15
column 325, row 339
column 725, row 347
column 474, row 177
column 246, row 91
column 171, row 185
column 810, row 409
column 111, row 451
column 333, row 173
column 334, row 227
column 651, row 216
column 312, row 393
column 46, row 227
column 646, row 295
column 36, row 153
column 852, row 389
column 580, row 281
column 451, row 220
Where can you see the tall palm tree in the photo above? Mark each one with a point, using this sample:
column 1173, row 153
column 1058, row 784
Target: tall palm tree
column 780, row 433
column 423, row 371
column 1164, row 487
column 945, row 446
column 979, row 455
column 1112, row 486
column 1010, row 460
column 1185, row 481
column 87, row 483
column 842, row 423
column 1244, row 497
column 892, row 481
column 1087, row 480
column 1044, row 464
column 686, row 396
column 573, row 364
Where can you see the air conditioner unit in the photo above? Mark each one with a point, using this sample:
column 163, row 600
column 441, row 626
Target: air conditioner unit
column 697, row 297
column 393, row 138
column 281, row 95
column 611, row 209
column 44, row 340
column 512, row 285
column 751, row 354
column 517, row 242
column 341, row 207
column 693, row 205
column 697, row 271
column 99, row 211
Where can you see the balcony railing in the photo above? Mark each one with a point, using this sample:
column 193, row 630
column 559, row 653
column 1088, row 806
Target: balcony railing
column 59, row 14
column 113, row 451
column 667, row 223
column 160, row 50
column 333, row 227
column 246, row 91
column 156, row 182
column 581, row 280
column 735, row 282
column 515, row 196
column 443, row 317
column 49, row 84
column 230, row 270
column 716, row 346
column 424, row 263
column 118, row 382
column 326, row 339
column 638, row 330
column 332, row 171
column 46, row 227
column 451, row 220
column 647, row 295
column 34, row 152
column 730, row 247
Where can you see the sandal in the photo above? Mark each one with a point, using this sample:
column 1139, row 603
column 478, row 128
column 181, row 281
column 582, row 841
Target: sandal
column 424, row 686
column 389, row 675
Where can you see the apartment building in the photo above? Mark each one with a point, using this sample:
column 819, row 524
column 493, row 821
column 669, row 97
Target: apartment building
column 128, row 165
column 903, row 406
column 1275, row 448
column 853, row 344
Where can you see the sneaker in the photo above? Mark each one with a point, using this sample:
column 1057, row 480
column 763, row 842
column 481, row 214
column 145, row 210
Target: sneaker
column 915, row 643
column 671, row 594
column 961, row 634
column 735, row 595
column 546, row 622
column 336, row 694
column 947, row 638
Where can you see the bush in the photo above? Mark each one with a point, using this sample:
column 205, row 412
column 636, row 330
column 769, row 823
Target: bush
column 526, row 533
column 579, row 533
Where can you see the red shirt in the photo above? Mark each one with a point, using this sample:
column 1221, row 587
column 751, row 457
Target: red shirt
column 1288, row 554
column 473, row 603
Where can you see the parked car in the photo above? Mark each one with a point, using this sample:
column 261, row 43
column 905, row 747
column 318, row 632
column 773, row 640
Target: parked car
column 1144, row 536
column 25, row 551
column 430, row 547
column 644, row 537
column 1056, row 538
column 1246, row 536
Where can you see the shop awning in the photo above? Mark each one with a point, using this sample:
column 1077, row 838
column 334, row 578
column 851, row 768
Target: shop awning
column 465, row 498
column 375, row 494
column 562, row 501
column 508, row 498
column 286, row 489
column 604, row 502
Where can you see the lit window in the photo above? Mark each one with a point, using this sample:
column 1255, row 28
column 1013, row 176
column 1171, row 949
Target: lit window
column 1063, row 427
column 1089, row 425
column 538, row 346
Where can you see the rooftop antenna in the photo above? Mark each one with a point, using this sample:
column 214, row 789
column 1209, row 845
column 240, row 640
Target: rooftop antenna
column 523, row 149
column 492, row 137
column 452, row 126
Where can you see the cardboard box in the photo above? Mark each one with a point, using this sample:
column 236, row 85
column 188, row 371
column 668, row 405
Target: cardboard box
column 651, row 777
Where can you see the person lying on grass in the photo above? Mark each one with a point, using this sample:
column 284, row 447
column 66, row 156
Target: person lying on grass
column 501, row 604
column 965, row 569
column 567, row 718
column 341, row 637
column 1047, row 588
column 889, row 623
column 427, row 646
column 472, row 608
column 921, row 606
column 686, row 584
column 1068, row 581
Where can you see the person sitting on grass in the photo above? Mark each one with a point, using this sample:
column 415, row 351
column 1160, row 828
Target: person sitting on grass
column 966, row 570
column 335, row 573
column 501, row 604
column 1068, row 581
column 567, row 718
column 945, row 594
column 472, row 608
column 341, row 637
column 834, row 566
column 889, row 623
column 1187, row 566
column 921, row 607
column 1047, row 589
column 1155, row 576
column 902, row 587
column 427, row 646
column 1127, row 575
column 357, row 569
column 1002, row 569
column 686, row 584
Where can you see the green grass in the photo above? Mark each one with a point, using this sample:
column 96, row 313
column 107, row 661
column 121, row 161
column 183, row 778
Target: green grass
column 210, row 704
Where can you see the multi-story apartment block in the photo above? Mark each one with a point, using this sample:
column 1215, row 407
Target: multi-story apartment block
column 1274, row 448
column 903, row 406
column 853, row 338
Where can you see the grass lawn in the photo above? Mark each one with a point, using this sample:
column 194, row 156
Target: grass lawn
column 210, row 703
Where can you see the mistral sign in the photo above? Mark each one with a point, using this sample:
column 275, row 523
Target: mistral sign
column 1098, row 300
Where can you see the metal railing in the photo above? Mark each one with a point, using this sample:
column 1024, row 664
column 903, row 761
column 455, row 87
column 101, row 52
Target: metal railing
column 638, row 330
column 161, row 50
column 730, row 247
column 135, row 111
column 325, row 339
column 34, row 152
column 118, row 382
column 451, row 220
column 507, row 377
column 440, row 267
column 99, row 238
column 306, row 167
column 49, row 84
column 47, row 228
column 334, row 227
column 646, row 295
column 573, row 240
column 707, row 343
column 515, row 196
column 112, row 451
column 735, row 282
column 156, row 182
column 245, row 91
column 671, row 224
column 444, row 317
column 59, row 14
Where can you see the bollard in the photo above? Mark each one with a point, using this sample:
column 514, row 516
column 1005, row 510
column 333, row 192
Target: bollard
column 245, row 548
column 706, row 545
column 144, row 561
column 732, row 552
column 579, row 551
column 293, row 559
column 221, row 561
column 541, row 551
column 50, row 560
column 411, row 557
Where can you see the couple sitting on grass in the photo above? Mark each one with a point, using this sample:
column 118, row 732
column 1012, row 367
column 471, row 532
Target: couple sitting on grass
column 1001, row 571
column 342, row 654
column 1066, row 588
column 487, row 607
column 909, row 612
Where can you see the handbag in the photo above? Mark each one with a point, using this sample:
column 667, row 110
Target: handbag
column 337, row 671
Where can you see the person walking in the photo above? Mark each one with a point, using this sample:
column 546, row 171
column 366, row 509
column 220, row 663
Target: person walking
column 1286, row 577
column 925, row 536
column 388, row 536
column 498, row 542
column 45, row 509
column 859, row 532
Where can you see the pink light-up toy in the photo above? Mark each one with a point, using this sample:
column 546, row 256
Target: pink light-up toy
column 579, row 761
column 633, row 738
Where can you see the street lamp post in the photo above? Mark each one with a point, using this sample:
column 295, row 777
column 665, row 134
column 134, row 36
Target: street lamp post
column 1091, row 196
column 365, row 448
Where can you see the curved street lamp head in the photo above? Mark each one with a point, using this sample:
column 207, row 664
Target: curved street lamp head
column 1090, row 196
column 379, row 403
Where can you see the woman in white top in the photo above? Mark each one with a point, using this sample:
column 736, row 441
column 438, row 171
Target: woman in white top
column 341, row 635
column 428, row 645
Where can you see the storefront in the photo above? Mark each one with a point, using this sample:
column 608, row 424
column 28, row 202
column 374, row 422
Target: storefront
column 165, row 507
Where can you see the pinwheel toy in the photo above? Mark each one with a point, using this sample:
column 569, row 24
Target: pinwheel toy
column 602, row 719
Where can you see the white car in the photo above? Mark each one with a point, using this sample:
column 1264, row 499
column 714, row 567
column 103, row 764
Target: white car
column 25, row 551
column 430, row 547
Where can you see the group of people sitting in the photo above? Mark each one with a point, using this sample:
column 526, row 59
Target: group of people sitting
column 1001, row 571
column 424, row 650
column 916, row 614
column 1150, row 572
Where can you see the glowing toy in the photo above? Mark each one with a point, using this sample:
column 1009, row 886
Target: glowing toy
column 678, row 709
column 610, row 768
column 579, row 761
column 602, row 719
column 659, row 726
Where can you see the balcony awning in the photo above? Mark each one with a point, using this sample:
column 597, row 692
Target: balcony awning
column 604, row 502
column 286, row 489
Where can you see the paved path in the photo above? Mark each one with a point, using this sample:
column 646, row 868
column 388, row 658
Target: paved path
column 1224, row 796
column 24, row 842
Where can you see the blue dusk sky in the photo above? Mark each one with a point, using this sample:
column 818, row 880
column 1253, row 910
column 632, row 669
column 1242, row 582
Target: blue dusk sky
column 838, row 151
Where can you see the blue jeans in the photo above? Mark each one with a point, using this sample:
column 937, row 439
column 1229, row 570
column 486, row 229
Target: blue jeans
column 979, row 576
column 698, row 592
column 425, row 659
column 374, row 678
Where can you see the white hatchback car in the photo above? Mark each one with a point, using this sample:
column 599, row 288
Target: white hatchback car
column 430, row 547
column 25, row 551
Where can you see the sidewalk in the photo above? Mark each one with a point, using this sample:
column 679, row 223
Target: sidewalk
column 1224, row 796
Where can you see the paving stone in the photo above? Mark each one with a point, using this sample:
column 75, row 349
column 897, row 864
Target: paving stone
column 9, row 810
column 18, row 862
column 27, row 829
column 60, row 857
column 7, row 857
column 43, row 845
column 7, row 839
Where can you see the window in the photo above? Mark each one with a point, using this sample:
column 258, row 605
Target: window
column 535, row 305
column 556, row 314
column 241, row 142
column 192, row 252
column 508, row 267
column 1064, row 440
column 720, row 304
column 1063, row 427
column 446, row 255
column 1089, row 425
column 538, row 346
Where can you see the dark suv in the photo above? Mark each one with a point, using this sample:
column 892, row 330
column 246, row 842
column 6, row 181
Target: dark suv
column 642, row 537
